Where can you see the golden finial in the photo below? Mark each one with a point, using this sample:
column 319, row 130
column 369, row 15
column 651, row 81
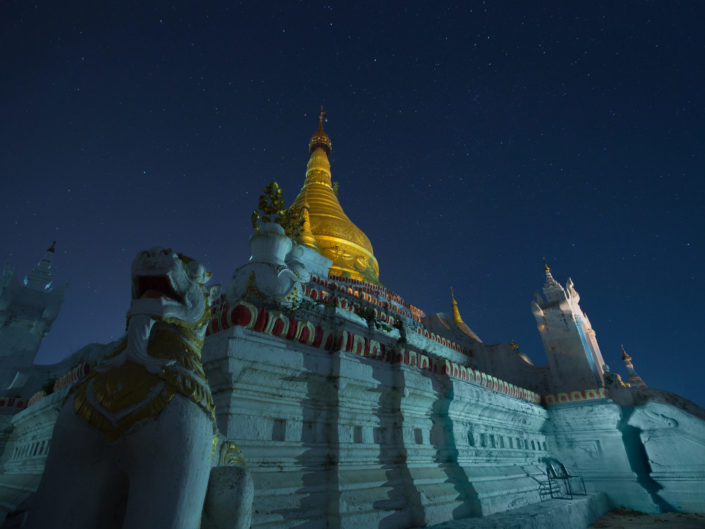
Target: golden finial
column 320, row 138
column 456, row 312
column 514, row 345
column 634, row 378
column 625, row 355
column 52, row 248
column 546, row 268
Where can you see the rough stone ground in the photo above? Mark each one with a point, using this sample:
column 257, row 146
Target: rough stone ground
column 625, row 519
column 551, row 514
column 575, row 514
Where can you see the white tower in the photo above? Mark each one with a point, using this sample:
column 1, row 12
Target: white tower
column 26, row 314
column 571, row 347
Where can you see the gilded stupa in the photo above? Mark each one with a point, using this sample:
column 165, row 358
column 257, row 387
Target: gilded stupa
column 326, row 226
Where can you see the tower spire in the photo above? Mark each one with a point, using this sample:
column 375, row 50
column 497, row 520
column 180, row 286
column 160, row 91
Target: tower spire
column 456, row 312
column 551, row 287
column 634, row 378
column 626, row 358
column 320, row 138
column 40, row 278
column 547, row 270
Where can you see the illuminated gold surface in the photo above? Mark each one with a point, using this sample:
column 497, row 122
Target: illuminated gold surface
column 132, row 393
column 230, row 454
column 625, row 356
column 109, row 393
column 216, row 440
column 320, row 138
column 306, row 236
column 456, row 312
column 227, row 452
column 458, row 321
column 334, row 233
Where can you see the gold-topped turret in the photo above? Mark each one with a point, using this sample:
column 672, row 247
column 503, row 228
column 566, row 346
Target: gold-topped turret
column 333, row 232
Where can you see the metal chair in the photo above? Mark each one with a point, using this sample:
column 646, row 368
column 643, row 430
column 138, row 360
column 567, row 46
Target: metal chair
column 561, row 484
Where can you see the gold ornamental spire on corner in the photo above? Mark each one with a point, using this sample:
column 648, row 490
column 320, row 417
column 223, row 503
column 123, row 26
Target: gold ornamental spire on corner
column 456, row 312
column 625, row 356
column 458, row 321
column 306, row 237
column 334, row 233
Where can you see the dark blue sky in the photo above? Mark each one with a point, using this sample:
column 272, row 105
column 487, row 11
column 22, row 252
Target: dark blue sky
column 469, row 140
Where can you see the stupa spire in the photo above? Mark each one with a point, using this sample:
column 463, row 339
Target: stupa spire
column 320, row 138
column 547, row 271
column 456, row 312
column 41, row 276
column 328, row 227
column 633, row 377
column 551, row 287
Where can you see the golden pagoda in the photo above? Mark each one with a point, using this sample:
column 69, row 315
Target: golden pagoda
column 326, row 226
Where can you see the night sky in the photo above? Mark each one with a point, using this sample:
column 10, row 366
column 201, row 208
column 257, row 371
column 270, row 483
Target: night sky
column 470, row 141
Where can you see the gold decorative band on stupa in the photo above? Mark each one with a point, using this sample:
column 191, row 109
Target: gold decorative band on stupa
column 326, row 226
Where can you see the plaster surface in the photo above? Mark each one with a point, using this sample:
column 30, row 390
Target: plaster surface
column 341, row 440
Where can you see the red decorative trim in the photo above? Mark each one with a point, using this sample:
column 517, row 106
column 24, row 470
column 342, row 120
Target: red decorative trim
column 13, row 402
column 575, row 396
column 261, row 320
column 72, row 376
column 39, row 395
column 240, row 315
column 75, row 374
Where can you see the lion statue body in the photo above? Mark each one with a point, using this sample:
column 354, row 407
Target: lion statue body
column 134, row 444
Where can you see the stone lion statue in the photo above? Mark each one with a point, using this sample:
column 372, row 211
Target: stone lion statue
column 136, row 441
